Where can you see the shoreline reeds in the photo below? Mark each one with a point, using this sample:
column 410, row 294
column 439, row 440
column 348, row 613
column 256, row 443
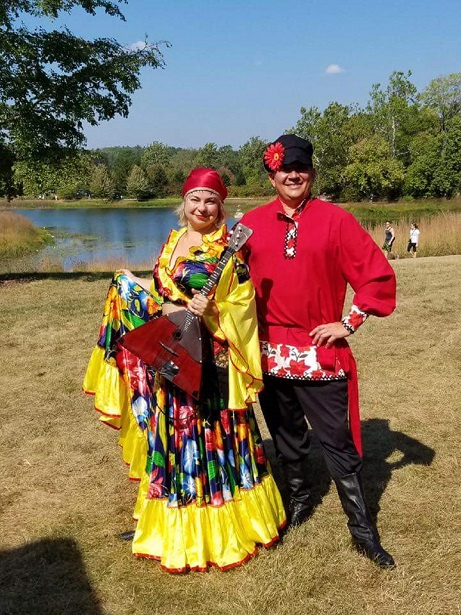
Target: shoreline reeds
column 19, row 236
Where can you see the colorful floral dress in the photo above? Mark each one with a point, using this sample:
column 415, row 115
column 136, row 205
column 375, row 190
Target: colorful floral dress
column 206, row 494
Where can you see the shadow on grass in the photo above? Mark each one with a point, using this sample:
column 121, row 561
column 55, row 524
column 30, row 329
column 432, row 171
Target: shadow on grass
column 379, row 443
column 46, row 577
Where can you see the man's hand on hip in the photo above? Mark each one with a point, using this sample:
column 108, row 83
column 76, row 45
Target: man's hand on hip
column 328, row 333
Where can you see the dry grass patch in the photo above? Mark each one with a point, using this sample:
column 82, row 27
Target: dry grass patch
column 18, row 235
column 65, row 495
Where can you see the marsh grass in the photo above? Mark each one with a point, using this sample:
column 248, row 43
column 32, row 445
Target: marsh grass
column 439, row 235
column 65, row 496
column 19, row 236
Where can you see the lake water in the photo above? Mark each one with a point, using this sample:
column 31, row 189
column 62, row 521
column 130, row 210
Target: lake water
column 124, row 237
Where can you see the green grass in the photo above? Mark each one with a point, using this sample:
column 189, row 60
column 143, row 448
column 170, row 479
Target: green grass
column 65, row 494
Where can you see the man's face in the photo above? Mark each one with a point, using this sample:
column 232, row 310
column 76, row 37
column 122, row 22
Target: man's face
column 293, row 183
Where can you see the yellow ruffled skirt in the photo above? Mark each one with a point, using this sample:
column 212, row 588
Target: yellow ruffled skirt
column 205, row 531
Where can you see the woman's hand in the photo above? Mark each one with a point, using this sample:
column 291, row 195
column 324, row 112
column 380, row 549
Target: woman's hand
column 199, row 304
column 327, row 334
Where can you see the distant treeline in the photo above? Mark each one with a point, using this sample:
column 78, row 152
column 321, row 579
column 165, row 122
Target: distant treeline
column 402, row 143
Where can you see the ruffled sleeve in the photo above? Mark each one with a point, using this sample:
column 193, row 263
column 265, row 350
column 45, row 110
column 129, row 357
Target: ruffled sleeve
column 237, row 324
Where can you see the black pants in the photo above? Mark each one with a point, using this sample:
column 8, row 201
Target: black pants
column 286, row 404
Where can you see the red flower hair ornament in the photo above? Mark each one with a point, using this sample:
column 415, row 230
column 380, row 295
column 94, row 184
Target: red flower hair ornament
column 274, row 155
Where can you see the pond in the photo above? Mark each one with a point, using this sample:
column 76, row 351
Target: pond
column 121, row 237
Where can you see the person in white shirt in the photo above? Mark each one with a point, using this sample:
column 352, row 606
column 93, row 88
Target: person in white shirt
column 414, row 238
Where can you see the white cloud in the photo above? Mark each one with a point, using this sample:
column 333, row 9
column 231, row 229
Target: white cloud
column 138, row 46
column 334, row 69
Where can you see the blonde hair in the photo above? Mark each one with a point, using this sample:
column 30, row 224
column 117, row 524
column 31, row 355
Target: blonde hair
column 221, row 214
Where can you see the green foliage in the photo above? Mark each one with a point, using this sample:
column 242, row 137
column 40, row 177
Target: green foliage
column 424, row 159
column 436, row 166
column 63, row 179
column 373, row 172
column 157, row 154
column 137, row 184
column 157, row 181
column 443, row 94
column 101, row 184
column 392, row 111
column 50, row 82
column 251, row 161
column 208, row 156
column 7, row 186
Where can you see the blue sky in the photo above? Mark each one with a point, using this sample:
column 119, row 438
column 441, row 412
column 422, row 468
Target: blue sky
column 238, row 69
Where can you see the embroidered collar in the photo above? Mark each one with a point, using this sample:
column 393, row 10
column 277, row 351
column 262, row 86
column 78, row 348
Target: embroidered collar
column 297, row 212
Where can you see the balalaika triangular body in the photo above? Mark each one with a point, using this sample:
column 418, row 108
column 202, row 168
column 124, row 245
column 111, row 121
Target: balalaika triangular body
column 172, row 344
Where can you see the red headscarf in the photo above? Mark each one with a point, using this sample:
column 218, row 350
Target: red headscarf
column 205, row 179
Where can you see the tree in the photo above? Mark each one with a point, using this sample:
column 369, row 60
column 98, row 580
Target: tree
column 251, row 160
column 447, row 176
column 436, row 163
column 63, row 179
column 394, row 112
column 157, row 153
column 373, row 172
column 101, row 184
column 120, row 165
column 444, row 96
column 208, row 156
column 157, row 180
column 7, row 184
column 229, row 159
column 137, row 184
column 424, row 159
column 50, row 82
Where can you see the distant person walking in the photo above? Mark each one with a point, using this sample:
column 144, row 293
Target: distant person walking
column 389, row 238
column 414, row 239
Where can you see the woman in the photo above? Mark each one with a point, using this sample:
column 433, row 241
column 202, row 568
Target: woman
column 206, row 494
column 389, row 238
column 414, row 239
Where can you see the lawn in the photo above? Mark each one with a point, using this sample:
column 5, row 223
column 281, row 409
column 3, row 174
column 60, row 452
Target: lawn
column 66, row 497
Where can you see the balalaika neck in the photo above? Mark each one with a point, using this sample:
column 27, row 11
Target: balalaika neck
column 212, row 280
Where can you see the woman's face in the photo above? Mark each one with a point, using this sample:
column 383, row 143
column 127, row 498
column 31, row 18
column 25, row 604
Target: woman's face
column 201, row 210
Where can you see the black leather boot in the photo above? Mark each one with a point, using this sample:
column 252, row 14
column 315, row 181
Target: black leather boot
column 360, row 525
column 300, row 505
column 129, row 535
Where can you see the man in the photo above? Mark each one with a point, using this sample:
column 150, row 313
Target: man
column 302, row 254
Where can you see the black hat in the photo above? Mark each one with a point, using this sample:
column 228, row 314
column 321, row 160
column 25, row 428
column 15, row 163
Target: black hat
column 286, row 150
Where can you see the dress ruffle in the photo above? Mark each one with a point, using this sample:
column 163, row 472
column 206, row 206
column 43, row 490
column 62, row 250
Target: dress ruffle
column 196, row 537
